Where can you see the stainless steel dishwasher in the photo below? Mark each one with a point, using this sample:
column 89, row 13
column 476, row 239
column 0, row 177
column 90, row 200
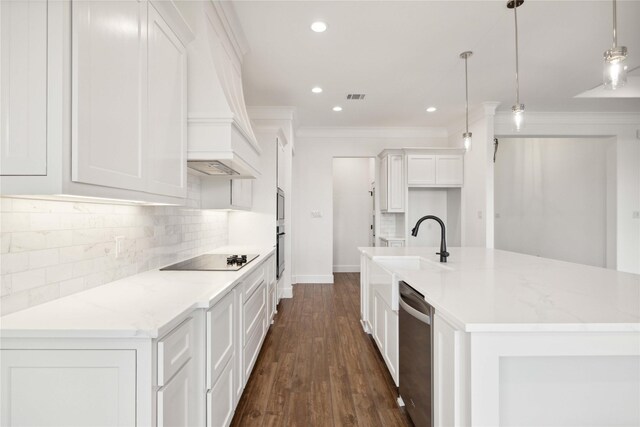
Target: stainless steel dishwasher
column 416, row 355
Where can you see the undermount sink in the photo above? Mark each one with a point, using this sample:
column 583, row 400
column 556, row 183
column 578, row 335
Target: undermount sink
column 408, row 263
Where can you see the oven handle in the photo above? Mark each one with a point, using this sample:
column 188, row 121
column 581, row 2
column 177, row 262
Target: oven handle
column 424, row 318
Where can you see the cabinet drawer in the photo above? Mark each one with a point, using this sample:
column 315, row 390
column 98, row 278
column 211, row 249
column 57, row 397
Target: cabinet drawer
column 174, row 350
column 253, row 312
column 253, row 280
column 252, row 349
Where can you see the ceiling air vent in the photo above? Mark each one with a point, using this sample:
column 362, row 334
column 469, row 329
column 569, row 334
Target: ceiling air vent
column 356, row 96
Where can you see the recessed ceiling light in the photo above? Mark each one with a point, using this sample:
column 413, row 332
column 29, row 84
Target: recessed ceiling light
column 319, row 27
column 316, row 89
column 337, row 108
column 431, row 109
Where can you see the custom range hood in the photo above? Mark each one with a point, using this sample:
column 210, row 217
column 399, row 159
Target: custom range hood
column 221, row 141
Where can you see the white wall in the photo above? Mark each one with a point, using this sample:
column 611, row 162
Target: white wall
column 352, row 210
column 623, row 127
column 313, row 187
column 258, row 227
column 477, row 193
column 551, row 198
column 51, row 249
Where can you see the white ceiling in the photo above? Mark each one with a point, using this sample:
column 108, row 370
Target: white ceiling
column 404, row 55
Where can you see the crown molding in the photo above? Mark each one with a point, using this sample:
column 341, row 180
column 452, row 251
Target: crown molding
column 371, row 132
column 272, row 113
column 572, row 118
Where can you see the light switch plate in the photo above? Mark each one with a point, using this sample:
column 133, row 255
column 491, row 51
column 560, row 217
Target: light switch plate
column 119, row 246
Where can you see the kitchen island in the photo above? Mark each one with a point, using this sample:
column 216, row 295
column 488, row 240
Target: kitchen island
column 518, row 339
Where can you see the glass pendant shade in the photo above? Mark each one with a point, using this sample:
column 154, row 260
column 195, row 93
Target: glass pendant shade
column 466, row 138
column 615, row 68
column 518, row 116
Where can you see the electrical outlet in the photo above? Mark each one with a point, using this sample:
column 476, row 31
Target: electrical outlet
column 635, row 215
column 479, row 214
column 316, row 214
column 119, row 246
column 497, row 215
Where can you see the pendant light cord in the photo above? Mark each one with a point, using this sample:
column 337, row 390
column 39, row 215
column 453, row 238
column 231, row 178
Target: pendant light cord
column 515, row 14
column 466, row 91
column 615, row 25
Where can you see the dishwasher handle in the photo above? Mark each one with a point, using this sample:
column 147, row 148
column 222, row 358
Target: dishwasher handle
column 424, row 318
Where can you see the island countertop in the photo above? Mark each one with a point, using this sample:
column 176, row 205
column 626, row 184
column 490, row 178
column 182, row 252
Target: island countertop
column 489, row 290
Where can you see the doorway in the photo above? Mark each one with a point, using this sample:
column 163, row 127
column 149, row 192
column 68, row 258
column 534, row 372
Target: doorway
column 353, row 210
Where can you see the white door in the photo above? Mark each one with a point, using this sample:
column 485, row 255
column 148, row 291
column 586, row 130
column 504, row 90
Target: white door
column 109, row 51
column 167, row 109
column 72, row 388
column 23, row 87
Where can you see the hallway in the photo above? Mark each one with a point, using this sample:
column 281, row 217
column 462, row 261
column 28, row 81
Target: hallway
column 317, row 366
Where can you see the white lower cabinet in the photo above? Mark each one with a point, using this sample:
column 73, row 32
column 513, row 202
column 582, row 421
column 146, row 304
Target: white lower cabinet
column 68, row 387
column 192, row 375
column 385, row 333
column 220, row 399
column 175, row 401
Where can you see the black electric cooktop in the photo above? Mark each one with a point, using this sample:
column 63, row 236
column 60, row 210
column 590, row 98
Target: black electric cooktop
column 213, row 262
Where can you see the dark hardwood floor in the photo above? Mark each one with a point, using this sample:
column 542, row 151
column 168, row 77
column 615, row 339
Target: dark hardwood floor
column 317, row 367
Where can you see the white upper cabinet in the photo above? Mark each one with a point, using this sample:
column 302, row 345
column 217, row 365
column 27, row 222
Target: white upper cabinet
column 435, row 170
column 94, row 99
column 421, row 169
column 392, row 187
column 23, row 87
column 167, row 113
column 109, row 93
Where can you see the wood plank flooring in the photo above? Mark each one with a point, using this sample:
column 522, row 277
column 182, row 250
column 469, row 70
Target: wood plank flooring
column 317, row 367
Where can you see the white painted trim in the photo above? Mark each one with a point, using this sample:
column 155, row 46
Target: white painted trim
column 372, row 132
column 326, row 278
column 355, row 268
column 272, row 113
column 549, row 118
column 285, row 293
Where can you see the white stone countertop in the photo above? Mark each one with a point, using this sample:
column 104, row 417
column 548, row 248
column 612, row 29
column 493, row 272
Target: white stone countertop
column 134, row 307
column 488, row 290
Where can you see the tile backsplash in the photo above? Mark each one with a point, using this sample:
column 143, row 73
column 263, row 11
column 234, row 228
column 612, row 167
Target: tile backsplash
column 50, row 249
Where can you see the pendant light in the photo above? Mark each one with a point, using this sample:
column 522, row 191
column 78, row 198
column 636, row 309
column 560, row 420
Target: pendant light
column 518, row 108
column 615, row 70
column 466, row 136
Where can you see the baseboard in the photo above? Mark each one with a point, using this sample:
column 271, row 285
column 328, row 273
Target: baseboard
column 346, row 268
column 328, row 278
column 286, row 292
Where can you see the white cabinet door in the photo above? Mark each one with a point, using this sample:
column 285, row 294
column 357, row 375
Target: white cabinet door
column 220, row 400
column 392, row 186
column 378, row 321
column 167, row 109
column 421, row 169
column 68, row 388
column 396, row 243
column 281, row 165
column 242, row 193
column 391, row 342
column 176, row 400
column 221, row 340
column 384, row 183
column 23, row 87
column 109, row 93
column 449, row 170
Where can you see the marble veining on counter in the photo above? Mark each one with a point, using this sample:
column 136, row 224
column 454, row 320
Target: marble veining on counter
column 137, row 306
column 482, row 289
